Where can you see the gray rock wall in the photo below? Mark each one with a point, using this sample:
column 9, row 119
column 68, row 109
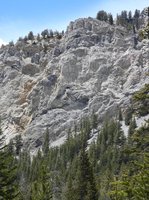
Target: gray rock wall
column 94, row 67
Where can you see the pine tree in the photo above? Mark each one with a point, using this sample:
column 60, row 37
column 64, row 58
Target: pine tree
column 45, row 146
column 41, row 188
column 128, row 116
column 94, row 121
column 102, row 15
column 119, row 139
column 11, row 147
column 8, row 173
column 70, row 189
column 11, row 43
column 8, row 176
column 24, row 174
column 110, row 17
column 118, row 20
column 45, row 33
column 120, row 116
column 132, row 127
column 86, row 187
column 130, row 17
column 134, row 182
column 38, row 37
column 136, row 14
column 136, row 18
column 51, row 33
column 30, row 35
column 141, row 180
column 18, row 144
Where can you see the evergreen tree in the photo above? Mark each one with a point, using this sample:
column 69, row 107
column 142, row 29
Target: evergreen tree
column 141, row 100
column 94, row 121
column 51, row 33
column 119, row 138
column 24, row 174
column 45, row 146
column 38, row 37
column 120, row 116
column 86, row 187
column 70, row 189
column 11, row 43
column 130, row 17
column 141, row 180
column 20, row 39
column 118, row 20
column 134, row 182
column 45, row 33
column 8, row 176
column 25, row 39
column 8, row 173
column 136, row 18
column 18, row 144
column 11, row 147
column 132, row 127
column 110, row 18
column 30, row 35
column 128, row 116
column 136, row 14
column 102, row 15
column 41, row 188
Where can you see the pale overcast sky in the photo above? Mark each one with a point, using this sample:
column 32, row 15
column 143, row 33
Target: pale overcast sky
column 18, row 17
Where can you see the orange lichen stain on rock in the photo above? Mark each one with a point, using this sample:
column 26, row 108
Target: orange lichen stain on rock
column 26, row 89
column 24, row 121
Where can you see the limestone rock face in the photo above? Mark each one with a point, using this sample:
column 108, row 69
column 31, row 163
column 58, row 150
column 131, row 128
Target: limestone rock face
column 54, row 83
column 30, row 69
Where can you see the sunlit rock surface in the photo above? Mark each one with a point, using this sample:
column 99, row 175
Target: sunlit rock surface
column 94, row 67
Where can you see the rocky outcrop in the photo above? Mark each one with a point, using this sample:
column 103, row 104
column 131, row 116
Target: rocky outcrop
column 30, row 69
column 94, row 67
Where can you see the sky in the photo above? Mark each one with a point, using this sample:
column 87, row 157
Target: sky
column 18, row 17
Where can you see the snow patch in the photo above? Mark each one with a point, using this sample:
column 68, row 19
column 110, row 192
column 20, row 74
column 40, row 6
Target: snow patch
column 124, row 128
column 94, row 135
column 26, row 60
column 141, row 121
column 58, row 142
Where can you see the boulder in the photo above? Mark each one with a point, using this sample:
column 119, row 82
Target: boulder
column 30, row 69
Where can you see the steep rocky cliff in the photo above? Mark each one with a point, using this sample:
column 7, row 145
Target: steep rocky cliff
column 53, row 83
